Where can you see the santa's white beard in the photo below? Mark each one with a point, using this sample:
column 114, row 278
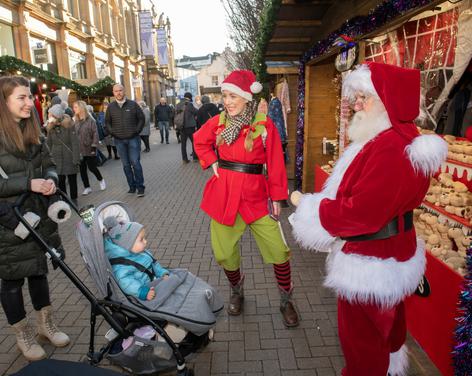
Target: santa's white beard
column 365, row 125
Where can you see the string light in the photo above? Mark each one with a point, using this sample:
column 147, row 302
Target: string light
column 45, row 86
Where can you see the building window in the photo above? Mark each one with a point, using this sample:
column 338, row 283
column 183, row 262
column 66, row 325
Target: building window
column 77, row 66
column 7, row 46
column 214, row 80
column 71, row 5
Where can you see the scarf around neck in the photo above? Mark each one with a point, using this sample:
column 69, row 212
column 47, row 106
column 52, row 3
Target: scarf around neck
column 234, row 124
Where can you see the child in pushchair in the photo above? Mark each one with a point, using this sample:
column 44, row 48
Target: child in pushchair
column 183, row 304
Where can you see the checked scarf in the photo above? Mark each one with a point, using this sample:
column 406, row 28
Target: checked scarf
column 234, row 124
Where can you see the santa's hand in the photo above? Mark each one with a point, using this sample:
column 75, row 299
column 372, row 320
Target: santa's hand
column 151, row 294
column 214, row 166
column 295, row 197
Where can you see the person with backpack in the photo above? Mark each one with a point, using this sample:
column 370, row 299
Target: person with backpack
column 185, row 121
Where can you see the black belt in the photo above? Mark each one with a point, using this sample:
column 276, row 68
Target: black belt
column 391, row 229
column 248, row 168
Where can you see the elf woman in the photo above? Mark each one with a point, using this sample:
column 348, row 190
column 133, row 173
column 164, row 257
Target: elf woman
column 237, row 144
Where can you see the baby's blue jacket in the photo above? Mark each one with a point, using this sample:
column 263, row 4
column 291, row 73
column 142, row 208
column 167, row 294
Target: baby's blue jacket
column 131, row 280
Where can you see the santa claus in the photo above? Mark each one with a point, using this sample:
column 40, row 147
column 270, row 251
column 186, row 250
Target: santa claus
column 363, row 216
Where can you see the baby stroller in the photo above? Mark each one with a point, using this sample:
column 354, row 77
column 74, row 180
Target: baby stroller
column 125, row 314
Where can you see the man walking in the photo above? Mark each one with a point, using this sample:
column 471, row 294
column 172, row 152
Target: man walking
column 162, row 115
column 189, row 125
column 124, row 120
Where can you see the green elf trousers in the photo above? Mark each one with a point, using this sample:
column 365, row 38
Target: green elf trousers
column 266, row 231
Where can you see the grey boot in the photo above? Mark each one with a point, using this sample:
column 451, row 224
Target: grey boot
column 236, row 299
column 287, row 308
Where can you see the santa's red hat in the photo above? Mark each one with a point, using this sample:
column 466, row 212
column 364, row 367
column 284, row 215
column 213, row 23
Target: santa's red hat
column 399, row 90
column 242, row 83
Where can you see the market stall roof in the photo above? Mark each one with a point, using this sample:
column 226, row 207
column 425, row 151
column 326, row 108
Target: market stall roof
column 292, row 27
column 301, row 23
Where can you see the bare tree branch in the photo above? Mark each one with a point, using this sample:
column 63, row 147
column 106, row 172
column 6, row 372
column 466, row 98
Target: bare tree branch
column 243, row 18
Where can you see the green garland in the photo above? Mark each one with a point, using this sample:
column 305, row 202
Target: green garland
column 10, row 63
column 268, row 20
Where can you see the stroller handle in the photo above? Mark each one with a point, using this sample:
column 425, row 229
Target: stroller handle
column 53, row 253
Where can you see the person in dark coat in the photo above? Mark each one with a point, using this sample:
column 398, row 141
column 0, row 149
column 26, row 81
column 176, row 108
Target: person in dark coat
column 206, row 112
column 189, row 125
column 162, row 116
column 124, row 120
column 63, row 142
column 26, row 166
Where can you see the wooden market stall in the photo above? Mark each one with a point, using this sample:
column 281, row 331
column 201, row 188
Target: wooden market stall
column 420, row 34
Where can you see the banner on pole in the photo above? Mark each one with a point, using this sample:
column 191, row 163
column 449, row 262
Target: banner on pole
column 162, row 46
column 145, row 27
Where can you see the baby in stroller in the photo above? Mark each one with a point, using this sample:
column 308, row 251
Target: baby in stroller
column 135, row 269
column 183, row 298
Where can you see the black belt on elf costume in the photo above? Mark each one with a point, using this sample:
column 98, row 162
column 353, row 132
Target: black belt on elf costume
column 389, row 230
column 248, row 168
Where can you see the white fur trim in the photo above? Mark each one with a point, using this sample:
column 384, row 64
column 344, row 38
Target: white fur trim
column 367, row 279
column 427, row 153
column 330, row 188
column 399, row 362
column 256, row 87
column 236, row 90
column 59, row 207
column 359, row 80
column 307, row 228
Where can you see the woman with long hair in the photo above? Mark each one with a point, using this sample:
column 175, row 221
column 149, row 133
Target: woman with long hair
column 88, row 141
column 26, row 166
column 237, row 144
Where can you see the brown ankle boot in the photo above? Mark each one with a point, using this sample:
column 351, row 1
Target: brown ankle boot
column 289, row 313
column 236, row 299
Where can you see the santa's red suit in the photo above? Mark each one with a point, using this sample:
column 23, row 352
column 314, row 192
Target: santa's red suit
column 378, row 179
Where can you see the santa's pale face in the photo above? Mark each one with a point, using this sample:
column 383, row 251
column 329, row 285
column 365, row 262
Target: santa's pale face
column 234, row 103
column 363, row 102
column 369, row 120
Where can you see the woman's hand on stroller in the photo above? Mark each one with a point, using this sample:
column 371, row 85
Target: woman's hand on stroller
column 151, row 294
column 45, row 187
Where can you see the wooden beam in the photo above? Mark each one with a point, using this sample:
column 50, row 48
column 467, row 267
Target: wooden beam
column 313, row 2
column 282, row 70
column 290, row 40
column 298, row 23
column 284, row 53
column 283, row 58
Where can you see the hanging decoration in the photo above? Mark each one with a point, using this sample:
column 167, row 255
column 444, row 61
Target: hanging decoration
column 462, row 352
column 12, row 64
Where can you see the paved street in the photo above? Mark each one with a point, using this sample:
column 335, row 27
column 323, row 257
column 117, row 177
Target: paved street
column 255, row 343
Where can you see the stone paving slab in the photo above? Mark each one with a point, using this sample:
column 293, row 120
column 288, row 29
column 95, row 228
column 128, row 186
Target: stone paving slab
column 255, row 343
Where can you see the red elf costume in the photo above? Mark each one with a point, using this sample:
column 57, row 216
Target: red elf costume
column 364, row 217
column 241, row 145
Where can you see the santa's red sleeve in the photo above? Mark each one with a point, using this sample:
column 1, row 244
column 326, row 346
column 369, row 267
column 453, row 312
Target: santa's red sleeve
column 276, row 173
column 375, row 199
column 204, row 142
